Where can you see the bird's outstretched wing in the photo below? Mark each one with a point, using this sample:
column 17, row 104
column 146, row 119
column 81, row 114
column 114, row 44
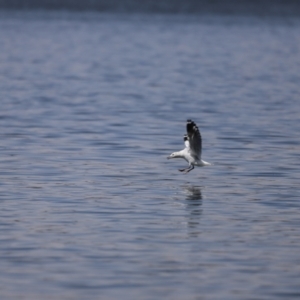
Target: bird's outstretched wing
column 194, row 138
column 186, row 141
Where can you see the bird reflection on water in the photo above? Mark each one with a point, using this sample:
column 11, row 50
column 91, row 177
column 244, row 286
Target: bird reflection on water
column 193, row 206
column 193, row 193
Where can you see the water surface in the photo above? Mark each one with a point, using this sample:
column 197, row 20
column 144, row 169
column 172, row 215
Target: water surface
column 91, row 106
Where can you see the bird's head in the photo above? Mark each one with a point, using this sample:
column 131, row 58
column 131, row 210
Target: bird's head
column 173, row 155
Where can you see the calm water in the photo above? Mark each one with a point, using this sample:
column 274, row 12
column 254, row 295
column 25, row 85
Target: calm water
column 92, row 104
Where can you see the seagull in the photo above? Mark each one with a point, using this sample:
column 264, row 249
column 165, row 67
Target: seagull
column 193, row 147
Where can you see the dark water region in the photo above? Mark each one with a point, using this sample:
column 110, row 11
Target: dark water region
column 256, row 7
column 91, row 106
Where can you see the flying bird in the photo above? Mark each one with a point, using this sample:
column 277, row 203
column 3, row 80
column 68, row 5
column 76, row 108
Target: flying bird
column 193, row 148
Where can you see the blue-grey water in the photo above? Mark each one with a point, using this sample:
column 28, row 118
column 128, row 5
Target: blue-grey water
column 91, row 106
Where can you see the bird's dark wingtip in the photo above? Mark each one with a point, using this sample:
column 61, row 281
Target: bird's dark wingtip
column 190, row 125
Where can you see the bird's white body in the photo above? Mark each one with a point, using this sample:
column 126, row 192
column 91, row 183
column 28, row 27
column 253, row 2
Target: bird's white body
column 193, row 148
column 186, row 155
